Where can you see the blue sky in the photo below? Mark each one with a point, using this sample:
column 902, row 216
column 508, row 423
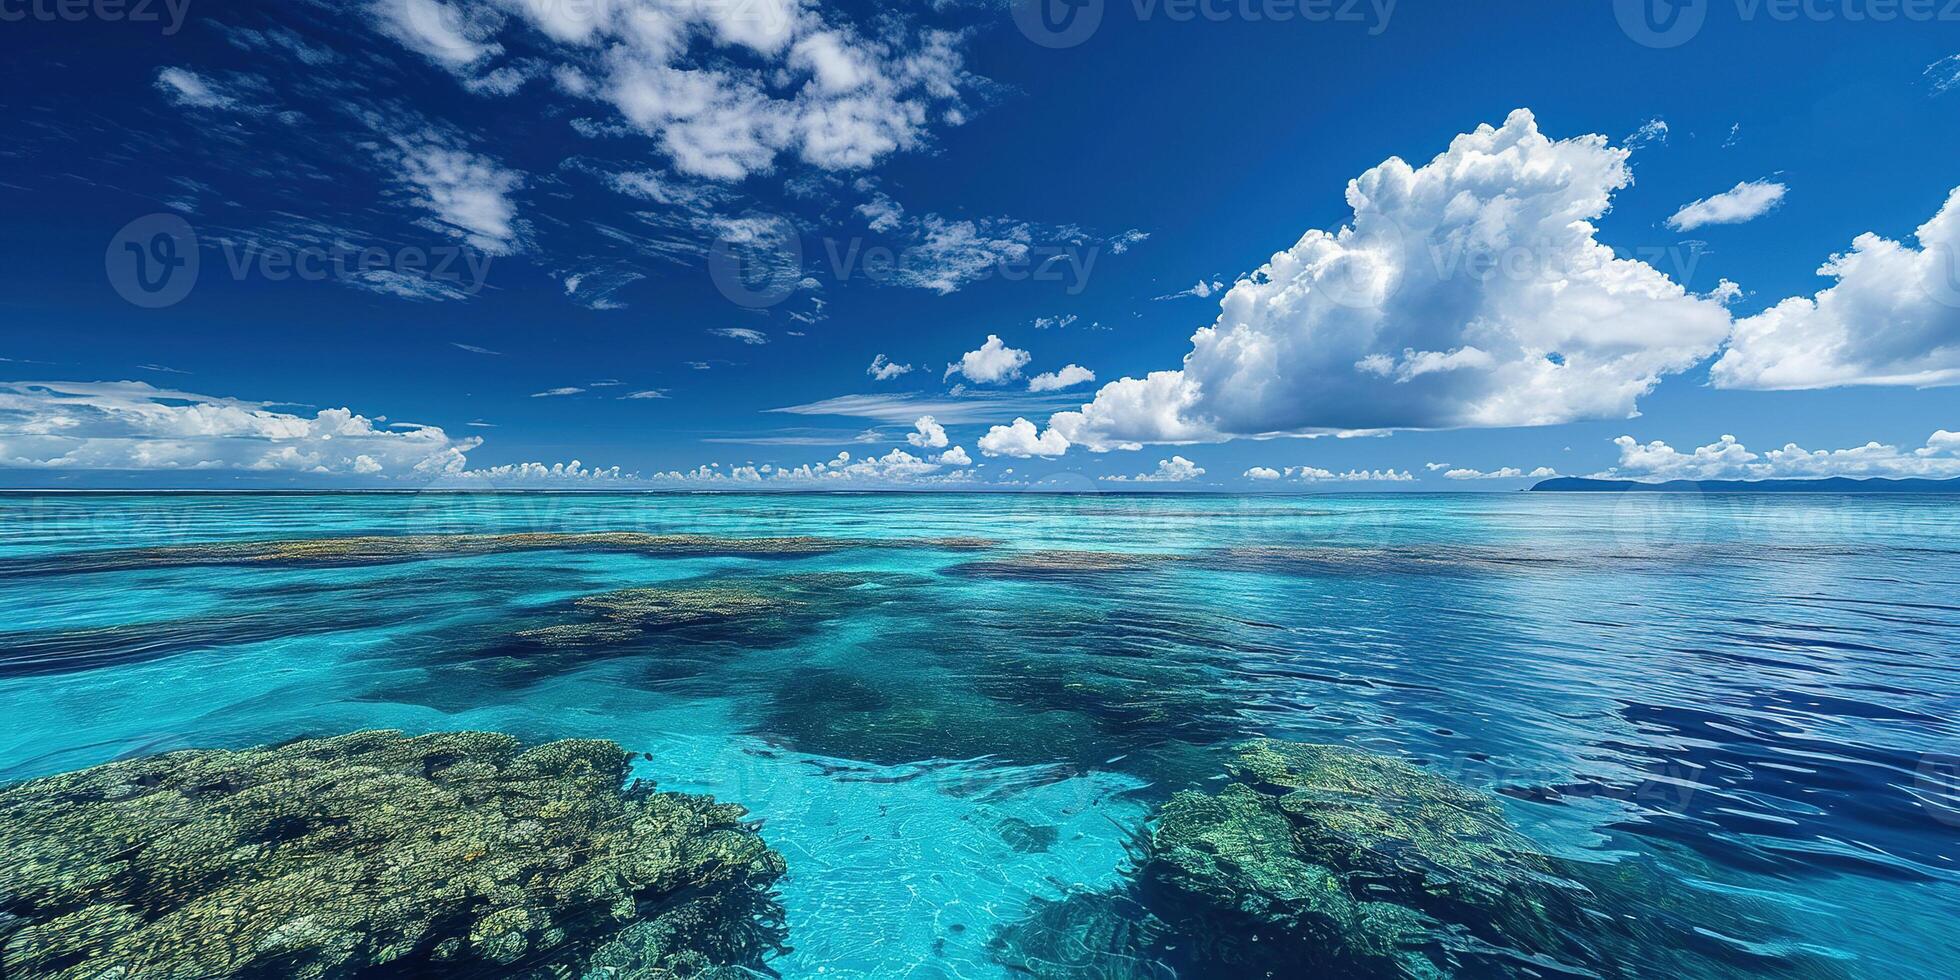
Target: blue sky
column 647, row 236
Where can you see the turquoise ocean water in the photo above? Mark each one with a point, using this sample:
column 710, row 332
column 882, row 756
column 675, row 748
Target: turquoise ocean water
column 1758, row 692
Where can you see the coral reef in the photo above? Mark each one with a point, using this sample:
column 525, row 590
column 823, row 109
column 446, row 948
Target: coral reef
column 374, row 855
column 1325, row 859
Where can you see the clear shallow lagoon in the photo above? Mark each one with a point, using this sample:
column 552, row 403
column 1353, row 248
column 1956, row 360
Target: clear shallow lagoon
column 1759, row 691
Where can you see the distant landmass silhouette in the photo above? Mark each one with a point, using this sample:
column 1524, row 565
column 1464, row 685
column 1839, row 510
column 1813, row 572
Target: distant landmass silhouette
column 1836, row 484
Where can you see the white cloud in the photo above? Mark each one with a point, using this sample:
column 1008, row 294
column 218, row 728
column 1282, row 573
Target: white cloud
column 1729, row 459
column 1314, row 474
column 594, row 288
column 1506, row 473
column 895, row 467
column 903, row 408
column 883, row 369
column 1746, row 201
column 930, row 434
column 130, row 425
column 1021, row 440
column 1266, row 473
column 472, row 348
column 1651, row 133
column 1892, row 318
column 191, row 90
column 1061, row 322
column 1398, row 322
column 1067, row 377
column 1203, row 290
column 946, row 254
column 558, row 392
column 1944, row 74
column 452, row 35
column 743, row 334
column 1176, row 469
column 955, row 456
column 467, row 193
column 883, row 213
column 722, row 88
column 650, row 394
column 993, row 363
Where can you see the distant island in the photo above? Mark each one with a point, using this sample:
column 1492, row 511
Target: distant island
column 1837, row 484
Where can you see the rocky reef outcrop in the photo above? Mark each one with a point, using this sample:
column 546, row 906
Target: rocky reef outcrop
column 1323, row 860
column 375, row 855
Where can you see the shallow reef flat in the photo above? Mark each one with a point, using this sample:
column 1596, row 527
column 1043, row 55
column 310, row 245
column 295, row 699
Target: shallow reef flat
column 386, row 549
column 750, row 607
column 1062, row 564
column 374, row 855
column 1331, row 860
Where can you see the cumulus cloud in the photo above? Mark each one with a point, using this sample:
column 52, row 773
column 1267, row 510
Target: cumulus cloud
column 1176, row 469
column 130, row 425
column 1506, row 473
column 1264, row 473
column 1315, row 474
column 1067, row 377
column 1022, row 440
column 1892, row 318
column 722, row 89
column 895, row 467
column 930, row 434
column 1746, row 201
column 993, row 363
column 883, row 369
column 743, row 334
column 1728, row 459
column 1470, row 291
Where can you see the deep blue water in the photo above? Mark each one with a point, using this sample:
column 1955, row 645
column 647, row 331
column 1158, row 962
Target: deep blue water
column 1759, row 692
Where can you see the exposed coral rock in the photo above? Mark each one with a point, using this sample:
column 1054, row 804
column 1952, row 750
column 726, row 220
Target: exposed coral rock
column 375, row 855
column 1329, row 861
